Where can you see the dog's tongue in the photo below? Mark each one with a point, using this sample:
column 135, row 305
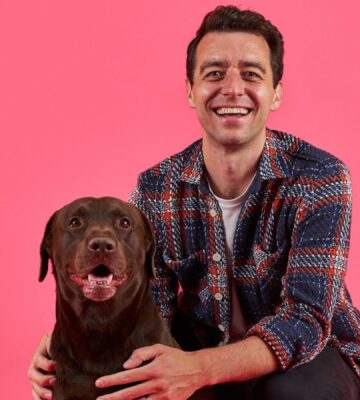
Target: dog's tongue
column 100, row 280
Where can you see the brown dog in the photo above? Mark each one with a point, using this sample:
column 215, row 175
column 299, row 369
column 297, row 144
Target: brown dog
column 102, row 253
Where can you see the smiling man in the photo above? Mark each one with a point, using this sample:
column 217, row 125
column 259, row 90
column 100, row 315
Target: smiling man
column 254, row 225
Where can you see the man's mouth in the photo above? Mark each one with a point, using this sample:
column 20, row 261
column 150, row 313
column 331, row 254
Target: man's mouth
column 232, row 111
column 99, row 284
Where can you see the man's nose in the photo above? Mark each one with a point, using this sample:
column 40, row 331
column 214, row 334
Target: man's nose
column 233, row 84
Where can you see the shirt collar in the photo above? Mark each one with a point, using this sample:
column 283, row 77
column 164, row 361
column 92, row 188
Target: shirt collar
column 275, row 163
column 194, row 164
column 277, row 159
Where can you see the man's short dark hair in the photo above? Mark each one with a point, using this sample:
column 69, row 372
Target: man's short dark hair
column 232, row 19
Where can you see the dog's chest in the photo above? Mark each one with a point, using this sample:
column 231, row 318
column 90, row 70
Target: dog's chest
column 79, row 367
column 71, row 385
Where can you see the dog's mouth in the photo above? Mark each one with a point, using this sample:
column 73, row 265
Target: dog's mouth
column 100, row 275
column 100, row 284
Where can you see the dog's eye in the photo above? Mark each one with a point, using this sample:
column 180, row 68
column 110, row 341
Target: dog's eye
column 75, row 222
column 124, row 223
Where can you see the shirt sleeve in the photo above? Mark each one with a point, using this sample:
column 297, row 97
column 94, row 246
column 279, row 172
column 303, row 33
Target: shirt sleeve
column 164, row 285
column 314, row 278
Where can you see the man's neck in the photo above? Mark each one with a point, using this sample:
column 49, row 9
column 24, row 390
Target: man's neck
column 230, row 169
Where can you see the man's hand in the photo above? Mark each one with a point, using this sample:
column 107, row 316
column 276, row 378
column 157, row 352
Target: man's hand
column 172, row 374
column 40, row 369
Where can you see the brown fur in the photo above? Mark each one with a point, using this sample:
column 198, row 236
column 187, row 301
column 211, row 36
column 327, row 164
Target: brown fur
column 94, row 338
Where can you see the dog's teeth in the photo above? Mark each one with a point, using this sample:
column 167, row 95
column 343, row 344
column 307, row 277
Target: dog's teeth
column 99, row 281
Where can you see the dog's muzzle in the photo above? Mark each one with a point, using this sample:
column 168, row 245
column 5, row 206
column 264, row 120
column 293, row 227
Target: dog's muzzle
column 99, row 285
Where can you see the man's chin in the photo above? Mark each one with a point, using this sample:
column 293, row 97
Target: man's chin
column 235, row 136
column 231, row 139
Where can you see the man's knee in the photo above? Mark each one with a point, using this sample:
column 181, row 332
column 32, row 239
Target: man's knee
column 326, row 377
column 280, row 388
column 273, row 389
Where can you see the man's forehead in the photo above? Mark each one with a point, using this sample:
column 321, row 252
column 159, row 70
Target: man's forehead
column 222, row 46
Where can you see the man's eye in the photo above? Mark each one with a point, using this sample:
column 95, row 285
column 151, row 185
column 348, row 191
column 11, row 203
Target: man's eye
column 251, row 76
column 124, row 223
column 75, row 222
column 213, row 75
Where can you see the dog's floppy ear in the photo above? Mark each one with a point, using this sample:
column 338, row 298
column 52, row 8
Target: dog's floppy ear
column 45, row 248
column 151, row 246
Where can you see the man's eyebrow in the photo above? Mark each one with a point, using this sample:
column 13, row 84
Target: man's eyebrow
column 253, row 64
column 223, row 64
column 212, row 63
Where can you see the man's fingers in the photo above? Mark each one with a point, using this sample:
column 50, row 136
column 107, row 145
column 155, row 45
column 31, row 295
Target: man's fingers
column 143, row 354
column 43, row 345
column 44, row 363
column 135, row 372
column 40, row 383
column 135, row 392
column 124, row 377
column 38, row 378
column 40, row 393
column 34, row 395
column 48, row 342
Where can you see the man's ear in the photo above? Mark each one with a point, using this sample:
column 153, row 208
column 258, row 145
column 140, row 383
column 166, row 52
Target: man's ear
column 45, row 248
column 189, row 94
column 278, row 96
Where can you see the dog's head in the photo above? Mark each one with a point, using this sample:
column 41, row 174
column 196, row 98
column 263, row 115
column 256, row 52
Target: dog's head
column 97, row 247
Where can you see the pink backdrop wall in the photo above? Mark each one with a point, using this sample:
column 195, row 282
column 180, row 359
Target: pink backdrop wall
column 92, row 92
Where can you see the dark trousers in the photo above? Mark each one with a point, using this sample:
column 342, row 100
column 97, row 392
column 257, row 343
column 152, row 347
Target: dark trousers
column 327, row 377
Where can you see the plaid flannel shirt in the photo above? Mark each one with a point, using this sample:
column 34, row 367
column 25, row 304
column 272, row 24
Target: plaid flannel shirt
column 289, row 255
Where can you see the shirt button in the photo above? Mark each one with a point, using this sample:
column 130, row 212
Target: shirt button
column 216, row 257
column 221, row 328
column 218, row 296
column 212, row 212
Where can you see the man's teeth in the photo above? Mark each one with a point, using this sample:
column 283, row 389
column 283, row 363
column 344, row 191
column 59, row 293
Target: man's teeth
column 232, row 110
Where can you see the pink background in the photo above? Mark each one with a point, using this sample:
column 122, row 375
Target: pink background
column 92, row 93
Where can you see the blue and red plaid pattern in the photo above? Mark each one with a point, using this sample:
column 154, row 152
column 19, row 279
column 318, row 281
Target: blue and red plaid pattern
column 289, row 257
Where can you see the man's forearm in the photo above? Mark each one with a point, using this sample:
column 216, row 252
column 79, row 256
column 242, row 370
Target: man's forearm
column 246, row 359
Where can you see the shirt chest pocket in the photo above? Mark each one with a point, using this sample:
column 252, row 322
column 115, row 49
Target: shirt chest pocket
column 190, row 271
column 270, row 269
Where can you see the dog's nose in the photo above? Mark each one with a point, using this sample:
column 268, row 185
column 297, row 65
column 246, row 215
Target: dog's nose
column 101, row 244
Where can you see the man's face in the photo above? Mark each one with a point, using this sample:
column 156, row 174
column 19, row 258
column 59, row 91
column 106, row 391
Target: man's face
column 232, row 89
